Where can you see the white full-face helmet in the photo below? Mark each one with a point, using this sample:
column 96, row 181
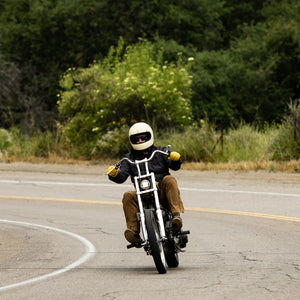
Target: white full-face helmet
column 141, row 136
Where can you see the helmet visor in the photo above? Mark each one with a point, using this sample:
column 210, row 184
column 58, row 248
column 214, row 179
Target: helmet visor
column 140, row 138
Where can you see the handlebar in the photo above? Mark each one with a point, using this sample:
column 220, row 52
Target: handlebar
column 144, row 160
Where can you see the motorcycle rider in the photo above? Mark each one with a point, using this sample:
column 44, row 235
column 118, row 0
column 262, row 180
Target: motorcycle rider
column 142, row 145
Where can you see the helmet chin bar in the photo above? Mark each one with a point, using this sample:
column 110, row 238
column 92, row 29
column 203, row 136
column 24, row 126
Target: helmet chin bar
column 142, row 146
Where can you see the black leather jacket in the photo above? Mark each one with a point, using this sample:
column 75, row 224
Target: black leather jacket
column 160, row 165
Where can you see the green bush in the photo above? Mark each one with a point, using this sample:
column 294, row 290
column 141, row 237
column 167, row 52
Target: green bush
column 121, row 90
column 114, row 143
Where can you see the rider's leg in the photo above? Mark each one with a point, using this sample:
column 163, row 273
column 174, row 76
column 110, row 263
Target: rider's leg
column 130, row 208
column 170, row 196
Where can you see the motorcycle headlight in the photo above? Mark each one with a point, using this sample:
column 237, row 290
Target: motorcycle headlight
column 145, row 184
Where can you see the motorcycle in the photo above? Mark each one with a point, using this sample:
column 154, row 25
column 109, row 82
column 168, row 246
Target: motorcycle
column 158, row 237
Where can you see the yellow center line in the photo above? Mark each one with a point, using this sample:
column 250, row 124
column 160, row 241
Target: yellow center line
column 243, row 213
column 209, row 210
column 61, row 200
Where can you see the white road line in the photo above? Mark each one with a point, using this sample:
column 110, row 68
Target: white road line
column 90, row 251
column 113, row 185
column 60, row 183
column 239, row 192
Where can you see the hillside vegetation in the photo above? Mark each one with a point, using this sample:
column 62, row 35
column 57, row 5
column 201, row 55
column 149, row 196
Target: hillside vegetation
column 219, row 80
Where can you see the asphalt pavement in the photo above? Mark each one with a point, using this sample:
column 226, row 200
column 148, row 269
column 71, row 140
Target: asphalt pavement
column 62, row 237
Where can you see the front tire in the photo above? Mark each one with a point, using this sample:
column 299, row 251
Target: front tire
column 155, row 242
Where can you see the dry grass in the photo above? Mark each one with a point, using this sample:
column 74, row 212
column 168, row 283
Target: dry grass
column 54, row 159
column 270, row 166
column 292, row 166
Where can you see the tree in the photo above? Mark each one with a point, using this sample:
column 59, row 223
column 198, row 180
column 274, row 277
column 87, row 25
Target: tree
column 254, row 79
column 188, row 22
column 52, row 35
column 237, row 14
column 19, row 103
column 255, row 45
column 270, row 54
column 42, row 39
column 9, row 92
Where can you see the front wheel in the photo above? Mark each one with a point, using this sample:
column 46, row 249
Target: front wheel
column 155, row 242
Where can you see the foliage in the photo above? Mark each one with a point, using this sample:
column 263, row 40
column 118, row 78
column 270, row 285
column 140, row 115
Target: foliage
column 270, row 54
column 120, row 90
column 246, row 53
column 5, row 139
column 9, row 92
column 188, row 22
column 197, row 143
column 294, row 119
column 114, row 143
column 255, row 77
column 43, row 38
column 286, row 144
column 213, row 77
column 19, row 102
column 239, row 13
column 200, row 143
column 204, row 143
column 247, row 143
column 16, row 145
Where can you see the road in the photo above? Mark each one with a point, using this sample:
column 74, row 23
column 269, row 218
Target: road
column 62, row 237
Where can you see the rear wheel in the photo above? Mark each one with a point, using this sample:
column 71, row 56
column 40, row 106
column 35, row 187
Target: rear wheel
column 155, row 242
column 172, row 259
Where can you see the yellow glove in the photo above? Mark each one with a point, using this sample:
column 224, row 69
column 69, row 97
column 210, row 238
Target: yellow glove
column 174, row 156
column 111, row 171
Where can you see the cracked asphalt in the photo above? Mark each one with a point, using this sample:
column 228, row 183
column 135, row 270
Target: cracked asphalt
column 229, row 255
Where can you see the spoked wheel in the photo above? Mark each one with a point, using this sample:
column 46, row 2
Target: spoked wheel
column 156, row 245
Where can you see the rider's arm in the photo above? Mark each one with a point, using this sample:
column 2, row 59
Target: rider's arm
column 173, row 161
column 122, row 173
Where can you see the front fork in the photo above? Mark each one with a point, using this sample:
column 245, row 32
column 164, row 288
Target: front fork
column 158, row 212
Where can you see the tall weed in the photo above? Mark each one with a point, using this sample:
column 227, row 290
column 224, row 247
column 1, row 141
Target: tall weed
column 285, row 147
column 194, row 144
column 286, row 144
column 247, row 143
column 5, row 139
column 24, row 147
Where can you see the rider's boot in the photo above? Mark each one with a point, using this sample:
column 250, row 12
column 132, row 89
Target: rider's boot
column 177, row 222
column 133, row 237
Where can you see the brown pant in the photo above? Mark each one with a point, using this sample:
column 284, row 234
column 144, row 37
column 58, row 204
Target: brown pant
column 169, row 198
